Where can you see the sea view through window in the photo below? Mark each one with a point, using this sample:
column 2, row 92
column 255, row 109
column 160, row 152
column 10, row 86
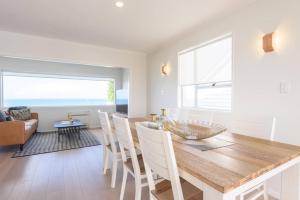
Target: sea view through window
column 46, row 90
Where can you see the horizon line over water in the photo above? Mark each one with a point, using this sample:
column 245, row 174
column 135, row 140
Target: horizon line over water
column 54, row 102
column 60, row 102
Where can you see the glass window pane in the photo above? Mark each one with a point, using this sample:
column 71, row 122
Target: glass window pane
column 188, row 96
column 214, row 62
column 211, row 63
column 44, row 91
column 216, row 98
column 186, row 63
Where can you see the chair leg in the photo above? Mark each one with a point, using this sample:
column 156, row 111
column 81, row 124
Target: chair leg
column 152, row 197
column 104, row 154
column 114, row 172
column 21, row 147
column 138, row 189
column 106, row 161
column 266, row 197
column 125, row 172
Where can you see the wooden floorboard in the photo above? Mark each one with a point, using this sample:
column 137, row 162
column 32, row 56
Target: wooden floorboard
column 66, row 175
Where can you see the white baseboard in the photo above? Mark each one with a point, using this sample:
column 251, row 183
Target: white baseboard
column 94, row 127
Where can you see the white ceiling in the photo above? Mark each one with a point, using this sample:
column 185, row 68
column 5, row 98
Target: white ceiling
column 142, row 25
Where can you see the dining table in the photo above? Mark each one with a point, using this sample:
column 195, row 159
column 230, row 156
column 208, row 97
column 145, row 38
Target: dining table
column 224, row 173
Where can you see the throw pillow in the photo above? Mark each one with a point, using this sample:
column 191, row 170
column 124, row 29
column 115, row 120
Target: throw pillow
column 3, row 116
column 9, row 118
column 16, row 108
column 23, row 114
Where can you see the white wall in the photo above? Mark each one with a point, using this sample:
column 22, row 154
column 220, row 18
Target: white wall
column 125, row 80
column 46, row 49
column 54, row 68
column 256, row 76
column 48, row 115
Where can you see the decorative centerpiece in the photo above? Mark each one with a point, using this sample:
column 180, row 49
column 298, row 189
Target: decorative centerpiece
column 192, row 130
column 189, row 130
column 67, row 122
column 153, row 117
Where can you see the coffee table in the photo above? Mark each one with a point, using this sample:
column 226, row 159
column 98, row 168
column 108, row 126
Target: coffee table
column 71, row 127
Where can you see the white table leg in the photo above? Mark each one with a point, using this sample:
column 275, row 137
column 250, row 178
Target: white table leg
column 291, row 183
column 210, row 193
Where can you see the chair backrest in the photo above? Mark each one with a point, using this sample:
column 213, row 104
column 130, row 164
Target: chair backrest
column 124, row 136
column 216, row 117
column 107, row 131
column 173, row 113
column 255, row 126
column 188, row 115
column 102, row 136
column 223, row 118
column 158, row 154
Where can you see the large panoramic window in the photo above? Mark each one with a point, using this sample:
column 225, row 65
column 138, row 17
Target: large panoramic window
column 205, row 75
column 46, row 90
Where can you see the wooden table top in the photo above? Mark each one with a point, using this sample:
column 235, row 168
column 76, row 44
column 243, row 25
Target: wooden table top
column 229, row 167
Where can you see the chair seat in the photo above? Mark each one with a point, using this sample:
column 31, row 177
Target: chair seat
column 129, row 164
column 163, row 191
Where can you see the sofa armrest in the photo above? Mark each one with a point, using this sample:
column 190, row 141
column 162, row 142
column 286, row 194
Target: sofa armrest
column 12, row 132
column 34, row 116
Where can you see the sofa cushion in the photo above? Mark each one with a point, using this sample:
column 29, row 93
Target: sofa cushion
column 28, row 132
column 31, row 122
column 27, row 129
column 30, row 128
column 23, row 114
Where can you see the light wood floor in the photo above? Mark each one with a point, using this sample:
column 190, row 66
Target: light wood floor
column 66, row 175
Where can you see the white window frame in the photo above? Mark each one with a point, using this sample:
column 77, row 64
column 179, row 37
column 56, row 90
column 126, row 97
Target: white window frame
column 58, row 76
column 219, row 84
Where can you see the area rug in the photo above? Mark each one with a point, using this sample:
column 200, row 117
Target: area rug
column 47, row 142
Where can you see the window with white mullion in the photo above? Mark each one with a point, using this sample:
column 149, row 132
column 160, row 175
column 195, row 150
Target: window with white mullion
column 55, row 90
column 205, row 76
column 195, row 77
column 214, row 97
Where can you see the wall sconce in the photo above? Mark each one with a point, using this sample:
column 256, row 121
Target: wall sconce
column 165, row 69
column 268, row 45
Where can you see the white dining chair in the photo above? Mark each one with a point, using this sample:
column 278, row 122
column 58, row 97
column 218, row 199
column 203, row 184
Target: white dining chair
column 134, row 164
column 189, row 115
column 259, row 127
column 111, row 147
column 104, row 142
column 223, row 118
column 159, row 157
column 263, row 127
column 173, row 113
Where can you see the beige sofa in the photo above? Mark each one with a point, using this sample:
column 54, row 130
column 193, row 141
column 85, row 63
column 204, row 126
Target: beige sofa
column 18, row 132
